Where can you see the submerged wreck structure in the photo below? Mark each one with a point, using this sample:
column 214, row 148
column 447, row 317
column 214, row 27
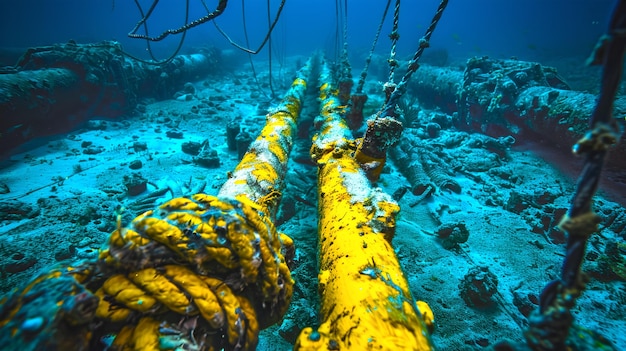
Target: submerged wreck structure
column 205, row 272
column 70, row 83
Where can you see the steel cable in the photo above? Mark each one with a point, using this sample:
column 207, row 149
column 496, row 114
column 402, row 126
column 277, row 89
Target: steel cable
column 359, row 88
column 550, row 326
column 390, row 105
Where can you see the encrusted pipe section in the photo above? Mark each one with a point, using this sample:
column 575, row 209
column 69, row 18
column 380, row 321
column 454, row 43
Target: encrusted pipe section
column 260, row 173
column 513, row 97
column 410, row 164
column 53, row 89
column 365, row 300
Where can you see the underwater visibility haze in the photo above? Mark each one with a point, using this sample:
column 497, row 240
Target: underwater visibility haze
column 312, row 175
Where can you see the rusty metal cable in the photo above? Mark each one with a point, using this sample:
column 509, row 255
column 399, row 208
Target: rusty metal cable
column 267, row 36
column 221, row 6
column 148, row 45
column 550, row 326
column 394, row 97
column 269, row 50
column 385, row 129
column 267, row 39
column 344, row 71
column 338, row 18
column 394, row 36
column 359, row 88
column 245, row 35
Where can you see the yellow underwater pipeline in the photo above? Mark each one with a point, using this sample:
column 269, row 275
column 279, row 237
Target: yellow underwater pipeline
column 366, row 302
column 204, row 272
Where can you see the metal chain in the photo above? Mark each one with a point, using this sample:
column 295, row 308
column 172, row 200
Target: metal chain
column 267, row 36
column 398, row 91
column 221, row 6
column 549, row 328
column 394, row 36
column 359, row 88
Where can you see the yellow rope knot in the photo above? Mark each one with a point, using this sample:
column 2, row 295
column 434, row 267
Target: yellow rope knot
column 211, row 264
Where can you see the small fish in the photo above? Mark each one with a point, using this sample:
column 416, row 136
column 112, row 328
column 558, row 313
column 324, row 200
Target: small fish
column 14, row 129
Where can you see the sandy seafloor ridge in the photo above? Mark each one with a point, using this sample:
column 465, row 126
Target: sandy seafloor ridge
column 70, row 199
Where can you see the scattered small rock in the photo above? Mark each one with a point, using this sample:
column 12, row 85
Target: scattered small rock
column 172, row 124
column 140, row 146
column 163, row 120
column 207, row 158
column 14, row 210
column 192, row 147
column 96, row 124
column 185, row 97
column 483, row 342
column 93, row 150
column 65, row 253
column 135, row 184
column 525, row 301
column 207, row 112
column 218, row 98
column 232, row 130
column 19, row 263
column 289, row 330
column 400, row 192
column 174, row 134
column 478, row 286
column 433, row 129
column 452, row 234
column 135, row 164
column 86, row 253
column 243, row 140
column 443, row 120
column 141, row 108
column 189, row 88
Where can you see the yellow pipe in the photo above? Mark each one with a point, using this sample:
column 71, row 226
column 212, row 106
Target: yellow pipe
column 204, row 272
column 365, row 299
column 260, row 173
column 232, row 232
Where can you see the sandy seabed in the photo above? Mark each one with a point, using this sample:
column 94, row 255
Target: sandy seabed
column 62, row 198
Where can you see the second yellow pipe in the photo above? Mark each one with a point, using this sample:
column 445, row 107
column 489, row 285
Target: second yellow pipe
column 366, row 303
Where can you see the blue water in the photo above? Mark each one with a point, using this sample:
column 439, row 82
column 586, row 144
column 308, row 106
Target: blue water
column 529, row 30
